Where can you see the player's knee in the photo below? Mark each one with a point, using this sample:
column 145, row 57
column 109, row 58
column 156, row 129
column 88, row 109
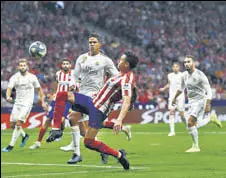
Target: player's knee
column 88, row 142
column 191, row 122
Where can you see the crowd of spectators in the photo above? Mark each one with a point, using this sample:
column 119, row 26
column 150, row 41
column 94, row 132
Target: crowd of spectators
column 158, row 32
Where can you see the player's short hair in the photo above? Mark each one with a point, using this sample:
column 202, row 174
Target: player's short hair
column 132, row 59
column 190, row 56
column 65, row 59
column 95, row 35
column 22, row 60
column 176, row 62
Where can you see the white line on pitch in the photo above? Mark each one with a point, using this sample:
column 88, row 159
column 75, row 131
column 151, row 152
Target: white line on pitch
column 56, row 174
column 74, row 165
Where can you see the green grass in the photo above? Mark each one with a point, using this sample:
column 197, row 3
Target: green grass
column 151, row 154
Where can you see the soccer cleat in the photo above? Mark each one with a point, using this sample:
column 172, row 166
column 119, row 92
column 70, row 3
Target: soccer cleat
column 171, row 134
column 104, row 158
column 35, row 145
column 75, row 159
column 69, row 147
column 215, row 120
column 7, row 149
column 54, row 134
column 123, row 160
column 193, row 149
column 24, row 140
column 127, row 131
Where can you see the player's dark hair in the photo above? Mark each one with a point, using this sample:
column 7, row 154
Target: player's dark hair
column 190, row 56
column 95, row 35
column 132, row 59
column 176, row 62
column 65, row 59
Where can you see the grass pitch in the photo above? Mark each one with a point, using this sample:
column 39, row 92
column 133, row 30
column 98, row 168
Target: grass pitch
column 151, row 154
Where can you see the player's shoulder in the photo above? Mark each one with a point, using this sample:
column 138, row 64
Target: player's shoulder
column 170, row 74
column 104, row 56
column 185, row 73
column 31, row 75
column 199, row 72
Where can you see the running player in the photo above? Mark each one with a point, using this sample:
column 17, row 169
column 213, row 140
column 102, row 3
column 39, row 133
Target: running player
column 199, row 98
column 25, row 84
column 174, row 83
column 64, row 82
column 120, row 86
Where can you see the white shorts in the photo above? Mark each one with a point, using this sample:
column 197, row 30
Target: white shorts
column 20, row 112
column 85, row 117
column 180, row 102
column 197, row 109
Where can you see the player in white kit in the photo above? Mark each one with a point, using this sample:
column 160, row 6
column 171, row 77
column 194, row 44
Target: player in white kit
column 174, row 83
column 91, row 69
column 199, row 99
column 25, row 84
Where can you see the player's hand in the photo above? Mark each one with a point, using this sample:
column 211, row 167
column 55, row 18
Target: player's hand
column 9, row 99
column 207, row 108
column 117, row 126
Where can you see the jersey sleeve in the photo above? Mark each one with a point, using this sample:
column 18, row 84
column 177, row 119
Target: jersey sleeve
column 110, row 68
column 127, row 85
column 36, row 83
column 206, row 86
column 11, row 83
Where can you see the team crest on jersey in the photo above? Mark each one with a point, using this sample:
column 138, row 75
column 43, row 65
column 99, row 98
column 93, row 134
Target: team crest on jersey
column 97, row 63
column 84, row 59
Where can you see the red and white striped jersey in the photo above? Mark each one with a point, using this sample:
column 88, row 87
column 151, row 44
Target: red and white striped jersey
column 113, row 90
column 64, row 80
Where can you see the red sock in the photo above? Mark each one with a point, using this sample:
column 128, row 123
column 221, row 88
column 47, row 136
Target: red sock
column 59, row 108
column 109, row 125
column 100, row 147
column 41, row 134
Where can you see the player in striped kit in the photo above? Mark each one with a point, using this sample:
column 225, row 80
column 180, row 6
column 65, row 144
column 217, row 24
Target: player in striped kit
column 120, row 86
column 174, row 83
column 64, row 82
column 25, row 84
column 199, row 99
column 91, row 68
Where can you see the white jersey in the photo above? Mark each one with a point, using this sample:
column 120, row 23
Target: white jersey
column 24, row 86
column 197, row 85
column 175, row 83
column 91, row 70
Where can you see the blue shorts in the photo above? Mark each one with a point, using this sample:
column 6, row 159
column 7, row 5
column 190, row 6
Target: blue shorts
column 85, row 105
column 51, row 109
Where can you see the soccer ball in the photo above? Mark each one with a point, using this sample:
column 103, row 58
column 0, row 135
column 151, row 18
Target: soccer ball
column 37, row 49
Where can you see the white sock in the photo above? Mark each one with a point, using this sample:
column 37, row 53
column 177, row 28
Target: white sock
column 76, row 139
column 204, row 121
column 171, row 117
column 194, row 134
column 16, row 134
column 22, row 133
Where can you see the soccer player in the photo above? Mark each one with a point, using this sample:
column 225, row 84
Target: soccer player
column 64, row 82
column 174, row 83
column 25, row 84
column 199, row 98
column 90, row 69
column 120, row 86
